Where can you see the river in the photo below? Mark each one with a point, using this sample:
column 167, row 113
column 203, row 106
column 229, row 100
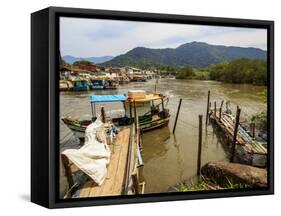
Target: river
column 171, row 158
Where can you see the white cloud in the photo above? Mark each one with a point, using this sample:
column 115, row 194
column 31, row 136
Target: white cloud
column 93, row 37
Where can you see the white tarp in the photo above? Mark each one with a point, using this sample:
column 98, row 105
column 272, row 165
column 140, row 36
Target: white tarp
column 93, row 157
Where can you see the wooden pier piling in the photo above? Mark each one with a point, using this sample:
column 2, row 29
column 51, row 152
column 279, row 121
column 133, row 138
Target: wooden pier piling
column 253, row 130
column 255, row 151
column 235, row 133
column 199, row 146
column 102, row 115
column 208, row 107
column 222, row 103
column 215, row 106
column 176, row 120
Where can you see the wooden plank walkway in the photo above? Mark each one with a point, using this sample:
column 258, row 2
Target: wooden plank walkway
column 116, row 174
column 226, row 123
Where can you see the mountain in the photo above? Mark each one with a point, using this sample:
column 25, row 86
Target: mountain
column 197, row 54
column 98, row 60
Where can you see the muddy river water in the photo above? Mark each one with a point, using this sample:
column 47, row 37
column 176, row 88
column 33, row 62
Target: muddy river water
column 171, row 158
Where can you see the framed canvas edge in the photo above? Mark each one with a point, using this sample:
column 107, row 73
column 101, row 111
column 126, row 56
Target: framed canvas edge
column 53, row 90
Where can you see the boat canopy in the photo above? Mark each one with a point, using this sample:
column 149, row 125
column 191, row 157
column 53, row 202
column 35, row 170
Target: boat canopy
column 107, row 98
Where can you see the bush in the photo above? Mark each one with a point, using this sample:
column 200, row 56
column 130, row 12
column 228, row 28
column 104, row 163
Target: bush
column 242, row 70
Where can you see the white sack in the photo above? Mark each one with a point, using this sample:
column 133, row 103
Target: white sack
column 93, row 157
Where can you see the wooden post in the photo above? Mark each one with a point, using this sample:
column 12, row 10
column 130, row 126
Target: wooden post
column 67, row 169
column 130, row 104
column 199, row 146
column 162, row 102
column 208, row 106
column 221, row 108
column 92, row 110
column 220, row 114
column 176, row 120
column 253, row 130
column 135, row 182
column 235, row 133
column 136, row 116
column 102, row 115
column 222, row 104
column 215, row 104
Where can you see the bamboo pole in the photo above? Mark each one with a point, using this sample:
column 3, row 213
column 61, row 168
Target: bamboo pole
column 235, row 133
column 176, row 120
column 208, row 106
column 199, row 146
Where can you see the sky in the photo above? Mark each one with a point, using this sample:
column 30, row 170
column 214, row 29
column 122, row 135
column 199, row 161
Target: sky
column 82, row 37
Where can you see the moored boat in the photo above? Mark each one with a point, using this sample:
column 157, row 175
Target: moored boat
column 97, row 84
column 154, row 117
column 103, row 84
column 65, row 85
column 138, row 78
column 80, row 85
column 111, row 84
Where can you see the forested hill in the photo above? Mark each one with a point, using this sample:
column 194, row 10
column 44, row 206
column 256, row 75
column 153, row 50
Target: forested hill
column 197, row 54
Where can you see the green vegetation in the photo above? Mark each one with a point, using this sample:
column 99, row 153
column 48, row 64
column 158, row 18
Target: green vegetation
column 242, row 70
column 196, row 54
column 260, row 121
column 185, row 72
column 209, row 184
column 82, row 63
column 63, row 63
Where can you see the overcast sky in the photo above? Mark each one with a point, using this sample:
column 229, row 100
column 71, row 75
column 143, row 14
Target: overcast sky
column 82, row 37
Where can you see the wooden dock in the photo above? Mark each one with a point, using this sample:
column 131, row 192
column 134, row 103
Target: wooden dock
column 116, row 171
column 246, row 146
column 123, row 176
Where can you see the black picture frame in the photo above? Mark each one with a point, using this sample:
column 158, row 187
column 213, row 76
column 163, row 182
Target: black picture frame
column 45, row 101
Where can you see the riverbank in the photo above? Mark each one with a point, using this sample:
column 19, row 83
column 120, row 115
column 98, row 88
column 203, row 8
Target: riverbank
column 224, row 175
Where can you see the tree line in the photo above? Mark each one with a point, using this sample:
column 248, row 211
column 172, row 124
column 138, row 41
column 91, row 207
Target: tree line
column 253, row 71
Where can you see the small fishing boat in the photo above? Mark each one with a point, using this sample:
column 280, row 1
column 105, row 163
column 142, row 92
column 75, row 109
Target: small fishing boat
column 123, row 80
column 157, row 115
column 80, row 85
column 97, row 84
column 65, row 85
column 110, row 84
column 103, row 84
column 138, row 78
